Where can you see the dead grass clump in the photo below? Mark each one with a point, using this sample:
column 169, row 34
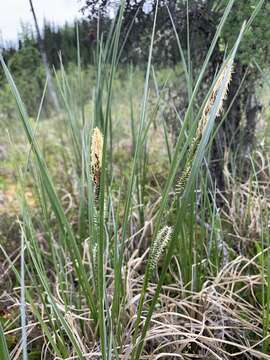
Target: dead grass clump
column 222, row 321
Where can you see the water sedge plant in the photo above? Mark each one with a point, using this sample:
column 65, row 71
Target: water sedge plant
column 87, row 280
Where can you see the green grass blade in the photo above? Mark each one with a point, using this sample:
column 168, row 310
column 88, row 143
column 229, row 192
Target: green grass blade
column 3, row 345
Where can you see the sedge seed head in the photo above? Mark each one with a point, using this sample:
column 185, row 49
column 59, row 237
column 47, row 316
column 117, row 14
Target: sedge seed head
column 96, row 155
column 159, row 245
column 221, row 84
column 216, row 98
column 96, row 148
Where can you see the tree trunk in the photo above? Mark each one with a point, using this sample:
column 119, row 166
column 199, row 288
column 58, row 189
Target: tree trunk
column 51, row 90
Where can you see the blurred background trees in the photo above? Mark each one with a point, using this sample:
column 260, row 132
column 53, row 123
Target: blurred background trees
column 25, row 62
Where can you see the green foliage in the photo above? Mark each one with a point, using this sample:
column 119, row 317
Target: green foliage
column 256, row 43
column 7, row 110
column 3, row 345
column 30, row 76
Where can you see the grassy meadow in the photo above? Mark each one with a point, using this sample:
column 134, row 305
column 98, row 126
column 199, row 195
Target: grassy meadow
column 113, row 244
